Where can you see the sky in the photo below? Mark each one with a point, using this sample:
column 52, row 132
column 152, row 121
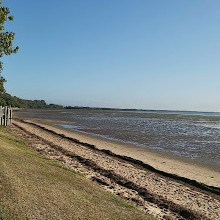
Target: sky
column 145, row 54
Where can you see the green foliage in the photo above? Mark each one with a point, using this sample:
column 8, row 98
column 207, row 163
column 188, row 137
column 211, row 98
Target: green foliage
column 6, row 37
column 6, row 42
column 2, row 81
column 13, row 101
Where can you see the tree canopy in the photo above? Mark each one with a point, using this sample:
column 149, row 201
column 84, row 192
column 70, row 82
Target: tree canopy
column 6, row 40
column 13, row 101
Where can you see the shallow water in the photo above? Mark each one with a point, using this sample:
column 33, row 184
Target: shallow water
column 194, row 136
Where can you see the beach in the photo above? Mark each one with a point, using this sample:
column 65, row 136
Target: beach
column 194, row 137
column 158, row 183
column 208, row 175
column 184, row 145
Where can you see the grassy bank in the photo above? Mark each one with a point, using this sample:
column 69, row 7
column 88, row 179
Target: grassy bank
column 33, row 187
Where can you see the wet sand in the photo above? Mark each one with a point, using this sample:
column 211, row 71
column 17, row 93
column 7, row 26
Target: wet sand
column 209, row 175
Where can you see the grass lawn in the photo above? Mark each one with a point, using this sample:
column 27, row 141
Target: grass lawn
column 34, row 187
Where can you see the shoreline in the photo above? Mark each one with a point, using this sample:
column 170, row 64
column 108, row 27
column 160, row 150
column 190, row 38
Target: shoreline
column 183, row 167
column 162, row 194
column 136, row 146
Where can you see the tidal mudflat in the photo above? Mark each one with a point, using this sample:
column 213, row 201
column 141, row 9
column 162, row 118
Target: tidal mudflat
column 191, row 135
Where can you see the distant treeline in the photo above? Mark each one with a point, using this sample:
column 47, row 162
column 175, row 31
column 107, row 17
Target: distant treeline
column 13, row 101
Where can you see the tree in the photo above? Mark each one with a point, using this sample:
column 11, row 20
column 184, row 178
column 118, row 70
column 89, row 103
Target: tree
column 2, row 81
column 6, row 39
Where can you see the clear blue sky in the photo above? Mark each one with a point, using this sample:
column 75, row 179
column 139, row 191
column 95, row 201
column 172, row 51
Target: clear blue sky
column 150, row 54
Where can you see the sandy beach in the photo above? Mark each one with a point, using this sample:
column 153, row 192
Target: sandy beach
column 161, row 161
column 195, row 195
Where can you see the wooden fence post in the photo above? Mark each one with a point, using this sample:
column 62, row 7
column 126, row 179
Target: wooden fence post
column 1, row 115
column 5, row 115
column 10, row 116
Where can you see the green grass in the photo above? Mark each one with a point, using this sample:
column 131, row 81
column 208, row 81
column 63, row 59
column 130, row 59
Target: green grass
column 34, row 187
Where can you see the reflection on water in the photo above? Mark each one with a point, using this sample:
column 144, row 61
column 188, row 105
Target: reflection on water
column 187, row 136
